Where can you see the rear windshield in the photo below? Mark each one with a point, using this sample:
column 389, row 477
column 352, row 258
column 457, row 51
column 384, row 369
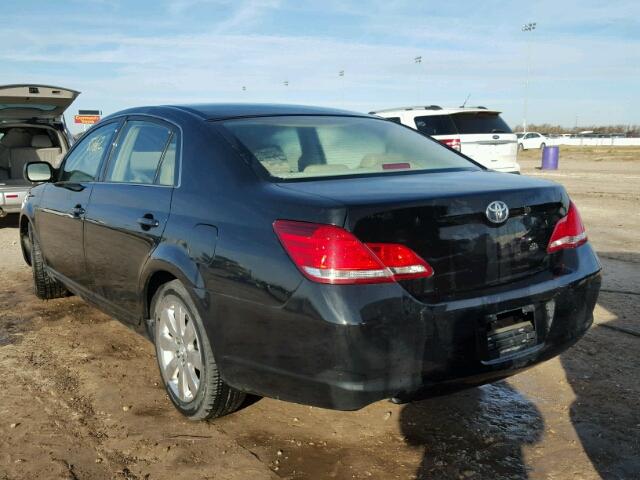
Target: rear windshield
column 291, row 147
column 436, row 125
column 462, row 123
column 27, row 106
column 480, row 122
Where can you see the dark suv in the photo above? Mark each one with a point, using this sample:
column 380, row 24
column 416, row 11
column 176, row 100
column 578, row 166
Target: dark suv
column 313, row 255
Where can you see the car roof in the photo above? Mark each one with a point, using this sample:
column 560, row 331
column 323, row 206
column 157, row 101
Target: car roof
column 225, row 111
column 432, row 110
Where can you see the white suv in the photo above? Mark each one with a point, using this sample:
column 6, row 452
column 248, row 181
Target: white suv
column 477, row 132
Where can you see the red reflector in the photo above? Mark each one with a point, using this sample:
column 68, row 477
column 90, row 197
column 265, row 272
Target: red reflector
column 569, row 232
column 395, row 166
column 11, row 196
column 330, row 254
column 452, row 143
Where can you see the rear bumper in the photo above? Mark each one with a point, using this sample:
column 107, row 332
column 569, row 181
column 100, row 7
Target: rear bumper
column 344, row 347
column 11, row 200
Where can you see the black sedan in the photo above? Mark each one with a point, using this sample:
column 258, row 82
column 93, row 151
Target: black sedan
column 313, row 255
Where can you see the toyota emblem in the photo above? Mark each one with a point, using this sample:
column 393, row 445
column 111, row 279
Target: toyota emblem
column 497, row 212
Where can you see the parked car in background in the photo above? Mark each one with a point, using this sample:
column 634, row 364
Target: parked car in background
column 477, row 132
column 32, row 129
column 312, row 255
column 531, row 140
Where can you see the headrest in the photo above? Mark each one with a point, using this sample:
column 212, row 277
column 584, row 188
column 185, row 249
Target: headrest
column 41, row 141
column 16, row 137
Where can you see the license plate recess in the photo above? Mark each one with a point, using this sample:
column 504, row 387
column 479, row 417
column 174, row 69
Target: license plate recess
column 510, row 332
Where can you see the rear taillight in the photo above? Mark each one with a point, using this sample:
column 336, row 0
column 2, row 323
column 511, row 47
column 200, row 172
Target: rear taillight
column 403, row 262
column 569, row 231
column 452, row 143
column 330, row 254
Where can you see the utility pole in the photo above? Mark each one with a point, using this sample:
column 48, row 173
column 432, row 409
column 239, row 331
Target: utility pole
column 527, row 27
column 341, row 76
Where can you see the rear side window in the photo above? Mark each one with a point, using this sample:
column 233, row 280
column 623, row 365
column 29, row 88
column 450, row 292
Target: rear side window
column 293, row 147
column 436, row 125
column 83, row 162
column 479, row 122
column 143, row 147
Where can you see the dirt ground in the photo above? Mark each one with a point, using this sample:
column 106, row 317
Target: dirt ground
column 80, row 395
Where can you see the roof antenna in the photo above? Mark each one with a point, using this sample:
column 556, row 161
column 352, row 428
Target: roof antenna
column 465, row 101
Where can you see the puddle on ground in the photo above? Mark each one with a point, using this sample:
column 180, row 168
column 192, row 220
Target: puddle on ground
column 482, row 430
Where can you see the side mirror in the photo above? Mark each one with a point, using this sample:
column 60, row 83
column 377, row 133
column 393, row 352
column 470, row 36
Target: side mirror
column 38, row 172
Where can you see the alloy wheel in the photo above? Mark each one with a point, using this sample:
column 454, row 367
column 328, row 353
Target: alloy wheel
column 179, row 352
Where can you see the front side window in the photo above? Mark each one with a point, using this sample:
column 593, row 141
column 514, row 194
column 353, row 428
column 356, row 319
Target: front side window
column 436, row 125
column 83, row 163
column 141, row 150
column 291, row 147
column 480, row 122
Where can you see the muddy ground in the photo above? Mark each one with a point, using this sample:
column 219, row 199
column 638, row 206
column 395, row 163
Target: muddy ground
column 80, row 395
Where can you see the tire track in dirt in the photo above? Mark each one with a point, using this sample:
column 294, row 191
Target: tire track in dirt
column 105, row 416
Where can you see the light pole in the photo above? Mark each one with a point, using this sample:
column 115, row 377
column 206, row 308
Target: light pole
column 418, row 61
column 286, row 88
column 527, row 27
column 341, row 76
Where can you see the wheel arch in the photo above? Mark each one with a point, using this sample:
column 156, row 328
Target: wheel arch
column 167, row 263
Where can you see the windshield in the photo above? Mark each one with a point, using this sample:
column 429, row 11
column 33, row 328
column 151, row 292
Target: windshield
column 292, row 147
column 480, row 122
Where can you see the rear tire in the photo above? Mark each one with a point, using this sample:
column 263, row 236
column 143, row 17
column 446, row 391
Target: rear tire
column 185, row 358
column 44, row 285
column 520, row 147
column 542, row 145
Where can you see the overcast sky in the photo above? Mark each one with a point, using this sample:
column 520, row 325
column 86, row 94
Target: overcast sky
column 585, row 55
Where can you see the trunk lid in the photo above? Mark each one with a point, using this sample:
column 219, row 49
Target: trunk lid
column 24, row 102
column 441, row 216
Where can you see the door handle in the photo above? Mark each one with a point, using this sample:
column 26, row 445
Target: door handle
column 147, row 221
column 77, row 210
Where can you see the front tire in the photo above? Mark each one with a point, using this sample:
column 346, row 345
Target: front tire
column 542, row 145
column 185, row 358
column 44, row 285
column 520, row 147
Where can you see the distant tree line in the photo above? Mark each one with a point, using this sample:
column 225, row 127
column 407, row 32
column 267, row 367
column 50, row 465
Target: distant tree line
column 628, row 130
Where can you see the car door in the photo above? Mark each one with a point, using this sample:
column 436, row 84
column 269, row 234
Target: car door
column 534, row 140
column 60, row 215
column 129, row 209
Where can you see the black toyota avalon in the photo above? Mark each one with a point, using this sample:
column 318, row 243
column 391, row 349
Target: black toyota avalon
column 311, row 255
